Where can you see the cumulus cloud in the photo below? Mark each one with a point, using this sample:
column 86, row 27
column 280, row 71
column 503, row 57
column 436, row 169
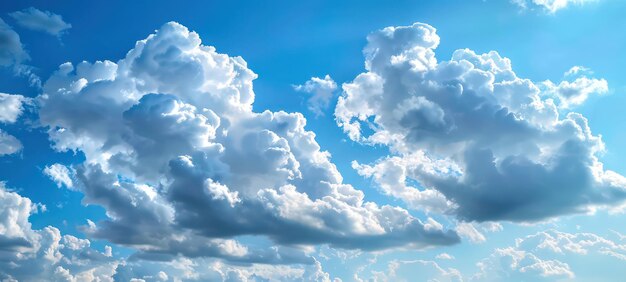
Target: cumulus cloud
column 575, row 92
column 60, row 174
column 28, row 254
column 549, row 6
column 9, row 144
column 415, row 270
column 547, row 255
column 468, row 137
column 38, row 255
column 519, row 265
column 183, row 166
column 11, row 107
column 38, row 20
column 321, row 91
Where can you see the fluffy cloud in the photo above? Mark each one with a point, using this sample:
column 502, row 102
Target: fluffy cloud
column 183, row 166
column 60, row 174
column 547, row 255
column 9, row 144
column 549, row 6
column 11, row 107
column 45, row 254
column 480, row 142
column 38, row 255
column 321, row 90
column 573, row 93
column 414, row 270
column 38, row 20
column 519, row 265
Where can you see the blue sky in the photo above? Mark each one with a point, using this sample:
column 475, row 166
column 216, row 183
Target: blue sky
column 162, row 159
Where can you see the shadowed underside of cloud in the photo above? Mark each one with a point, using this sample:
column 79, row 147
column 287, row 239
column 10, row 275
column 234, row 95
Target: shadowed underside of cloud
column 27, row 254
column 183, row 166
column 482, row 143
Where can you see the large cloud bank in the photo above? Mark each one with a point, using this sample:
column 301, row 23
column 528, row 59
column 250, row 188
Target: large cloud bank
column 182, row 164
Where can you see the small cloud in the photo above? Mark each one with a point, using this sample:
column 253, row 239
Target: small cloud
column 321, row 91
column 444, row 256
column 575, row 92
column 60, row 174
column 38, row 20
column 549, row 6
column 468, row 231
column 578, row 70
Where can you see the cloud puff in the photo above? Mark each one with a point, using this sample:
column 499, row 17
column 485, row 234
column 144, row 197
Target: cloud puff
column 414, row 270
column 11, row 107
column 183, row 166
column 480, row 141
column 38, row 255
column 38, row 20
column 60, row 174
column 576, row 92
column 445, row 256
column 549, row 6
column 547, row 255
column 9, row 144
column 321, row 90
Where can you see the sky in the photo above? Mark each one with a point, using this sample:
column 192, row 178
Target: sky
column 474, row 140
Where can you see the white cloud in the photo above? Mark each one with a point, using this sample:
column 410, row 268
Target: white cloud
column 182, row 164
column 38, row 255
column 38, row 20
column 547, row 255
column 549, row 6
column 468, row 132
column 467, row 230
column 415, row 270
column 444, row 256
column 11, row 107
column 9, row 144
column 60, row 174
column 576, row 92
column 321, row 90
column 513, row 264
column 45, row 254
